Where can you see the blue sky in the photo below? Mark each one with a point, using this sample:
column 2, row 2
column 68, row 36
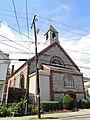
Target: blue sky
column 70, row 12
column 71, row 18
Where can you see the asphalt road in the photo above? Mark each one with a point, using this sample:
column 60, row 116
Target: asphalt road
column 86, row 117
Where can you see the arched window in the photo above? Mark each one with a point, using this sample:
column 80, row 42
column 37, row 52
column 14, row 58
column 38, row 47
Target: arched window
column 56, row 61
column 14, row 85
column 22, row 81
column 47, row 36
column 68, row 80
column 53, row 35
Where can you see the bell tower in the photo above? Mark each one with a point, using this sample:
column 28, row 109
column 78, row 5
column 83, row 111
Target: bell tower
column 51, row 36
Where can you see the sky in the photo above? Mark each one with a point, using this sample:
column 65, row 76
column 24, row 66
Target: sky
column 71, row 18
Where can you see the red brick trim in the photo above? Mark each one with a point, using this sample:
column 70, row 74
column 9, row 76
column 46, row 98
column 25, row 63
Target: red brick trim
column 18, row 69
column 75, row 74
column 47, row 69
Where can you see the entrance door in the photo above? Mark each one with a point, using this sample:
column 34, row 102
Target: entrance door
column 71, row 94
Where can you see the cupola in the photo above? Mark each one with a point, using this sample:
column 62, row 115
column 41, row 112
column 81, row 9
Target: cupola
column 51, row 36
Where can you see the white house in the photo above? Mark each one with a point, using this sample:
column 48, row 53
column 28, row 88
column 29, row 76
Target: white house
column 87, row 86
column 4, row 63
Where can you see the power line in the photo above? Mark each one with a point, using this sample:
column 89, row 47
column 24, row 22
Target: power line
column 71, row 26
column 82, row 60
column 12, row 47
column 16, row 30
column 6, row 3
column 14, row 52
column 56, row 27
column 65, row 30
column 27, row 17
column 17, row 19
column 64, row 24
column 13, row 41
column 16, row 59
column 78, row 52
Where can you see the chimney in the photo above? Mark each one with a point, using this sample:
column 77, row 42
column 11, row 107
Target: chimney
column 12, row 71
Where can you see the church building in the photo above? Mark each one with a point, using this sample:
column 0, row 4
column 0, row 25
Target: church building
column 58, row 74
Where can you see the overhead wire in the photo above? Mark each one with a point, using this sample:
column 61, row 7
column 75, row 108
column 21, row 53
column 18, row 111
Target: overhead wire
column 27, row 18
column 27, row 21
column 38, row 43
column 80, row 34
column 71, row 26
column 13, row 41
column 67, row 31
column 13, row 47
column 63, row 24
column 16, row 30
column 17, row 19
column 14, row 52
column 5, row 3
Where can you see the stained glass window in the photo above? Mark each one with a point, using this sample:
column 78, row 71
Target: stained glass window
column 68, row 80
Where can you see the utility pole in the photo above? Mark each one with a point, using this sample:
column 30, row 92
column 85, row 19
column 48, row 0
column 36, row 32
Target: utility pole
column 37, row 72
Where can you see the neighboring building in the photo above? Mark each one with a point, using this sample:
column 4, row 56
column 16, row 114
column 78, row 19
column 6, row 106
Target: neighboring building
column 58, row 74
column 87, row 85
column 4, row 64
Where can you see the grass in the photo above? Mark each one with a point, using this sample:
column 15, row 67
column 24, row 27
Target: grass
column 32, row 119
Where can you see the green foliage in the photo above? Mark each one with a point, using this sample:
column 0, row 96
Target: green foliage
column 85, row 103
column 4, row 111
column 16, row 109
column 50, row 106
column 67, row 102
column 32, row 109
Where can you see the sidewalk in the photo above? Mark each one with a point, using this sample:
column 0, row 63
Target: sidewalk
column 81, row 112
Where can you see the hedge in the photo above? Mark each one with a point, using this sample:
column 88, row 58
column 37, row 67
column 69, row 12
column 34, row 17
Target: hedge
column 67, row 102
column 47, row 106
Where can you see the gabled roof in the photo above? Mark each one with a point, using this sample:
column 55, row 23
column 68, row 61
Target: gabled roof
column 45, row 50
column 5, row 56
column 51, row 28
column 52, row 45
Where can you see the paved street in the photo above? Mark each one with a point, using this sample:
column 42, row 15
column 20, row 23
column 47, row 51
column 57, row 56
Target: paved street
column 80, row 115
column 86, row 117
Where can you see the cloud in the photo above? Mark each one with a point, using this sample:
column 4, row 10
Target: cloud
column 79, row 51
column 6, row 31
column 15, row 48
column 76, row 48
column 64, row 7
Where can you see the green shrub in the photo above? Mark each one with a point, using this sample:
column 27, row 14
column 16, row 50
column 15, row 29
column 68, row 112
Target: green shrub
column 85, row 103
column 50, row 106
column 16, row 109
column 32, row 109
column 4, row 111
column 67, row 102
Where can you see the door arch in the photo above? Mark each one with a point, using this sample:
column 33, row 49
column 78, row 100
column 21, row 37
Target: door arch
column 71, row 94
